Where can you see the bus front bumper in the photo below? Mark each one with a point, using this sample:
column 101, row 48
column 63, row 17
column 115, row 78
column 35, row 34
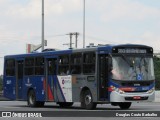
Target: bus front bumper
column 131, row 97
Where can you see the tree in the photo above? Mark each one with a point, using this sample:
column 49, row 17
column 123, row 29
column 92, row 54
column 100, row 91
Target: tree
column 157, row 72
column 1, row 82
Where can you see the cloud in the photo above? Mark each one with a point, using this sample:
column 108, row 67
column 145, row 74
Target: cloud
column 115, row 10
column 25, row 19
column 33, row 8
column 30, row 9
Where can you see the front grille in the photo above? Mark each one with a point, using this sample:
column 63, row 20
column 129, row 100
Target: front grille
column 136, row 91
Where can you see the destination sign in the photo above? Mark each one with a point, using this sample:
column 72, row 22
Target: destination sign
column 129, row 50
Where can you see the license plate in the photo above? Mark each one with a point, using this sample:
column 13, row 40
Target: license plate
column 137, row 97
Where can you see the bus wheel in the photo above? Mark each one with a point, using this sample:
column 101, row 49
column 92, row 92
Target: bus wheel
column 87, row 101
column 65, row 104
column 32, row 100
column 125, row 105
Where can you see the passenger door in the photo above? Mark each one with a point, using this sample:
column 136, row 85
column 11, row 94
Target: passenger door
column 19, row 78
column 50, row 73
column 103, row 76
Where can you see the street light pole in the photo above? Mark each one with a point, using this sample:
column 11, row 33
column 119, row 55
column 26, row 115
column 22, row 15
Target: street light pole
column 84, row 24
column 42, row 25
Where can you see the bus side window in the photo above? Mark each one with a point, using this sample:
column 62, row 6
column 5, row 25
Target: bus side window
column 39, row 66
column 29, row 66
column 89, row 63
column 63, row 66
column 10, row 67
column 76, row 61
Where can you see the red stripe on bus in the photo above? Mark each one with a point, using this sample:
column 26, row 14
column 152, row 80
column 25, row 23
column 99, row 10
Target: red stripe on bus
column 49, row 91
column 110, row 89
column 127, row 89
column 50, row 95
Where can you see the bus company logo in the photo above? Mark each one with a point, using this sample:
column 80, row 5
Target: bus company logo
column 65, row 81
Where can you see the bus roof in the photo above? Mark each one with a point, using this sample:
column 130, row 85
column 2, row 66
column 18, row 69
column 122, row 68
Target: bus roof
column 107, row 47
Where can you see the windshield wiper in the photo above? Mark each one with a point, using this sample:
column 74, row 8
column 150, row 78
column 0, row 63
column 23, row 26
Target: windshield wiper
column 127, row 61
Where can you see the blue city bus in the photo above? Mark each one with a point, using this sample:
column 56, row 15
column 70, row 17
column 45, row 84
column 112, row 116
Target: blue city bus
column 115, row 74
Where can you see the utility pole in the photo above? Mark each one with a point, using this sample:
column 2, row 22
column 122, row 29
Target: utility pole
column 70, row 44
column 76, row 39
column 42, row 25
column 76, row 35
column 84, row 24
column 70, row 40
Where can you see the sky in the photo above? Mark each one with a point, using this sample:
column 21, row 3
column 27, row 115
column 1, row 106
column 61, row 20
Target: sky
column 107, row 22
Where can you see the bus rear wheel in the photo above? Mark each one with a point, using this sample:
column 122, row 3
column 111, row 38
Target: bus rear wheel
column 65, row 104
column 87, row 101
column 125, row 105
column 32, row 100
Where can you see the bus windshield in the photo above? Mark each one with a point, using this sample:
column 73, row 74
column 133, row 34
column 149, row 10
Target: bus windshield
column 132, row 68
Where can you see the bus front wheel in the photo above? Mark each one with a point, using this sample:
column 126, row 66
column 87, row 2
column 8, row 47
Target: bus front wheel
column 87, row 101
column 125, row 105
column 32, row 100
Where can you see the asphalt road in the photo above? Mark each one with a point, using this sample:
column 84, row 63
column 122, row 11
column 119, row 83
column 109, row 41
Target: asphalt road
column 60, row 113
column 51, row 106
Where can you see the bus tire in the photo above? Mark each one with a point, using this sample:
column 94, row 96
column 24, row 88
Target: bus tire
column 125, row 105
column 87, row 101
column 65, row 104
column 31, row 99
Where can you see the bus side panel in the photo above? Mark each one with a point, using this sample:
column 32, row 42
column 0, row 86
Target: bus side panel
column 76, row 89
column 79, row 82
column 9, row 87
column 64, row 88
column 36, row 83
column 76, row 86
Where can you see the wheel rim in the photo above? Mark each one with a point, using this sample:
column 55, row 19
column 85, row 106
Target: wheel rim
column 88, row 99
column 31, row 99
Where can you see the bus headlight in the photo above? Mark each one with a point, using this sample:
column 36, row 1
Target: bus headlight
column 119, row 91
column 151, row 90
column 113, row 88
